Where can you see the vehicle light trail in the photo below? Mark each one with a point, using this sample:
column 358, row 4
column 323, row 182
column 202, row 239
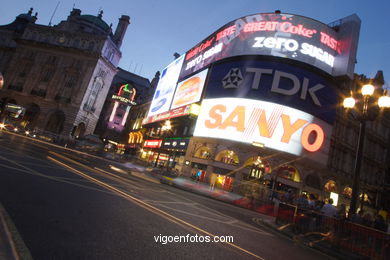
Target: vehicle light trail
column 148, row 207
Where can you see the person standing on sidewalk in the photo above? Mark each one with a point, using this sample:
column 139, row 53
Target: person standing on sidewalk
column 329, row 209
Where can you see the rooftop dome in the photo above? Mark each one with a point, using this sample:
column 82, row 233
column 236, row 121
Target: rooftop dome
column 28, row 16
column 96, row 20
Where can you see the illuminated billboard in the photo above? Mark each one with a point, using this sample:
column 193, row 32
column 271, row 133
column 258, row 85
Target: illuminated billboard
column 275, row 126
column 180, row 111
column 274, row 82
column 166, row 87
column 190, row 90
column 153, row 143
column 282, row 35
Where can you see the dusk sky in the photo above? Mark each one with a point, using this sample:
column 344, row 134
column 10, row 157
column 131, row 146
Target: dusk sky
column 160, row 28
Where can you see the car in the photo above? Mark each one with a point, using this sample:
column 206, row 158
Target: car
column 165, row 175
column 90, row 143
column 9, row 127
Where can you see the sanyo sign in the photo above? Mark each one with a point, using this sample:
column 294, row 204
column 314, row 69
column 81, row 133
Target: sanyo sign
column 278, row 127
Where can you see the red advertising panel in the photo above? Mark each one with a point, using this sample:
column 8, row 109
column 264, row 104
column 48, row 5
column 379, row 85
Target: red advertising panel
column 181, row 111
column 152, row 143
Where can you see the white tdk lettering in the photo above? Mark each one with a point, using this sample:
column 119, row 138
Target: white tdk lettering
column 296, row 84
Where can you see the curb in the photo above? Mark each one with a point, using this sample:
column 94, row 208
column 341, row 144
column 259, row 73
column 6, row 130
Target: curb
column 7, row 245
column 12, row 246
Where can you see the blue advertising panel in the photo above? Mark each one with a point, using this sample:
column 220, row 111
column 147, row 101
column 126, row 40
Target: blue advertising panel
column 166, row 88
column 274, row 82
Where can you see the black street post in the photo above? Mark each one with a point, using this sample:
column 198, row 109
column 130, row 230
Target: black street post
column 366, row 101
column 358, row 164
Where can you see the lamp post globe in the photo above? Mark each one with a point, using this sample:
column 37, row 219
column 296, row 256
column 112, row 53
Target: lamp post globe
column 362, row 112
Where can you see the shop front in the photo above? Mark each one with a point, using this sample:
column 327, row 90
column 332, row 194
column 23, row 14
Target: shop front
column 165, row 153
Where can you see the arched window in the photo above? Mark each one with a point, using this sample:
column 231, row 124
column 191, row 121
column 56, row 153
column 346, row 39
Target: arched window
column 289, row 172
column 228, row 157
column 203, row 153
column 257, row 167
column 31, row 115
column 80, row 130
column 55, row 123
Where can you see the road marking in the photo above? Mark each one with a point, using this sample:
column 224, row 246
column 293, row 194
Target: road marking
column 149, row 207
column 33, row 172
column 241, row 225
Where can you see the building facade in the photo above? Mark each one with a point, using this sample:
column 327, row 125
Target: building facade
column 61, row 74
column 126, row 92
column 270, row 88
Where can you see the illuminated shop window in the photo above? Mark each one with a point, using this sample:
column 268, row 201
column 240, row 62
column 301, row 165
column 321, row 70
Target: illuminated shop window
column 228, row 157
column 221, row 181
column 257, row 167
column 289, row 172
column 203, row 153
column 330, row 186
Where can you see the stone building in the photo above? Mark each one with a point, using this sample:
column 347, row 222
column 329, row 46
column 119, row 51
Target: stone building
column 61, row 74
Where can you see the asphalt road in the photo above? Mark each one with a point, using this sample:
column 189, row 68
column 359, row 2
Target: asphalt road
column 67, row 205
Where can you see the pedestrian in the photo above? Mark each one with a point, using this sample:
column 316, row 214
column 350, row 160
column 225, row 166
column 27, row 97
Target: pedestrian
column 288, row 197
column 358, row 217
column 379, row 223
column 341, row 212
column 302, row 202
column 312, row 201
column 367, row 219
column 329, row 209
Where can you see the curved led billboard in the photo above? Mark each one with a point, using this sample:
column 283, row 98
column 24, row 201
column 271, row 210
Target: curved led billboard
column 282, row 35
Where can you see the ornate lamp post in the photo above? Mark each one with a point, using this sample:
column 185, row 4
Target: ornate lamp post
column 361, row 104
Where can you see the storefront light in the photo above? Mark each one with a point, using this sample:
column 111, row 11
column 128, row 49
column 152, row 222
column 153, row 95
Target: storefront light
column 194, row 109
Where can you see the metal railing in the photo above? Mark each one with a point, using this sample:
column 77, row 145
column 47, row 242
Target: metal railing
column 319, row 230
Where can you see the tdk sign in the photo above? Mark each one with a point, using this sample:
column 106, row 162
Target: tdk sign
column 234, row 78
column 275, row 82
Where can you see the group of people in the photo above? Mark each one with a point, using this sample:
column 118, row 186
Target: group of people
column 380, row 220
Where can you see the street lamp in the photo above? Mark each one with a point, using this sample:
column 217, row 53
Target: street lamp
column 361, row 104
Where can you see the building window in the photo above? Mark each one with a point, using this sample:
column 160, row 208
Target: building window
column 66, row 92
column 97, row 85
column 203, row 153
column 47, row 75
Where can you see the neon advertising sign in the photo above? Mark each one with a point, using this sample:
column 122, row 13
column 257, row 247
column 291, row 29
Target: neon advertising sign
column 125, row 96
column 276, row 126
column 281, row 35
